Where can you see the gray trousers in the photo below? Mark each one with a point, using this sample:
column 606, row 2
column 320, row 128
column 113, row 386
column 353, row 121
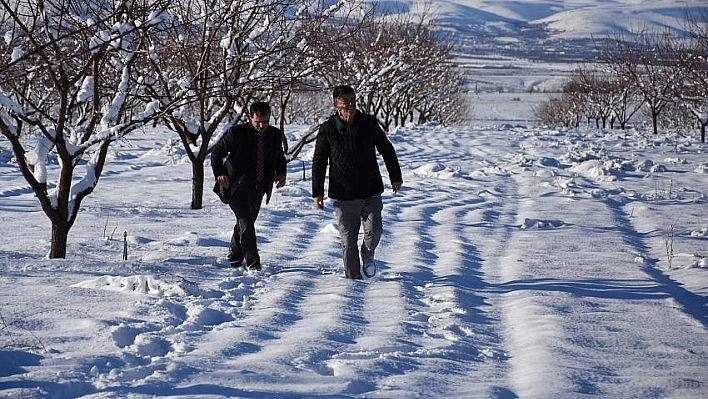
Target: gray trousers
column 351, row 215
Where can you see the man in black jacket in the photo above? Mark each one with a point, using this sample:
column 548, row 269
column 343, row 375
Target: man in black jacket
column 348, row 142
column 254, row 160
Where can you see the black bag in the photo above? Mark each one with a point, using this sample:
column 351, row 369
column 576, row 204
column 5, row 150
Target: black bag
column 224, row 194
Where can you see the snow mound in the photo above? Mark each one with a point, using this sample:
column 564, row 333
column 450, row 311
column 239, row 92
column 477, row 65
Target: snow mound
column 200, row 316
column 550, row 162
column 540, row 224
column 700, row 263
column 330, row 229
column 702, row 168
column 545, row 173
column 438, row 170
column 601, row 171
column 650, row 167
column 700, row 233
column 140, row 284
column 151, row 346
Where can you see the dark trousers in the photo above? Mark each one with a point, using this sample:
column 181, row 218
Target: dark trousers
column 245, row 203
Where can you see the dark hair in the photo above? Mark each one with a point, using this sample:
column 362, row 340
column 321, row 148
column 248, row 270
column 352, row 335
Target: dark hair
column 340, row 90
column 260, row 107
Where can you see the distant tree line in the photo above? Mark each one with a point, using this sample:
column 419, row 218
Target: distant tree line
column 77, row 76
column 661, row 75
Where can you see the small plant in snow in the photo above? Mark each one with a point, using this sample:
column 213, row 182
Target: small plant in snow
column 14, row 335
column 669, row 244
column 106, row 236
column 662, row 192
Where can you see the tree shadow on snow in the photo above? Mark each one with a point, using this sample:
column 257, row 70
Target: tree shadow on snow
column 213, row 390
column 660, row 287
column 12, row 362
column 598, row 288
column 693, row 304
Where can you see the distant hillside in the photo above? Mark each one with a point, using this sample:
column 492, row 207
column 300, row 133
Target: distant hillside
column 551, row 30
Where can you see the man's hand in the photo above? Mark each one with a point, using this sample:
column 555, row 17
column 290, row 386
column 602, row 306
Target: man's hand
column 279, row 180
column 319, row 202
column 223, row 181
column 396, row 186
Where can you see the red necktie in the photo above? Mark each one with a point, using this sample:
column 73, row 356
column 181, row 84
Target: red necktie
column 260, row 164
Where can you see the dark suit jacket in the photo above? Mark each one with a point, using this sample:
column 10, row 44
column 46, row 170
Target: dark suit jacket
column 235, row 156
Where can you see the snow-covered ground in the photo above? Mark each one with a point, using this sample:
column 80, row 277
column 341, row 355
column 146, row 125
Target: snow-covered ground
column 517, row 262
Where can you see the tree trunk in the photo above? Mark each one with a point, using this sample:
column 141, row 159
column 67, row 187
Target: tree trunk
column 60, row 234
column 197, row 184
column 654, row 120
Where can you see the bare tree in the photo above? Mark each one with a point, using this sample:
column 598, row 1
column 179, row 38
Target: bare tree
column 690, row 55
column 608, row 98
column 597, row 92
column 328, row 41
column 66, row 92
column 428, row 84
column 310, row 30
column 195, row 66
column 626, row 101
column 564, row 110
column 217, row 56
column 400, row 66
column 646, row 63
column 444, row 98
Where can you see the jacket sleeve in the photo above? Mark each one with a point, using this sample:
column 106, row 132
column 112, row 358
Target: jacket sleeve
column 219, row 152
column 280, row 163
column 319, row 161
column 385, row 148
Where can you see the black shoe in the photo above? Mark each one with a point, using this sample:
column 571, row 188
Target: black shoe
column 235, row 259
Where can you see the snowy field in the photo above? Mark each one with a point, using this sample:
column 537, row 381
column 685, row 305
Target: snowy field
column 517, row 262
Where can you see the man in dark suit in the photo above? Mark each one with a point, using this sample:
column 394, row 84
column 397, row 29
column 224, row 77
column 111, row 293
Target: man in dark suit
column 246, row 162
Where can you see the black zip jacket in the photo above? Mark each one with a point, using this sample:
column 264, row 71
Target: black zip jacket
column 350, row 152
column 238, row 147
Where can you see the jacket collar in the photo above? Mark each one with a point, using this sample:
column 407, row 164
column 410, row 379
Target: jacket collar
column 256, row 132
column 339, row 123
